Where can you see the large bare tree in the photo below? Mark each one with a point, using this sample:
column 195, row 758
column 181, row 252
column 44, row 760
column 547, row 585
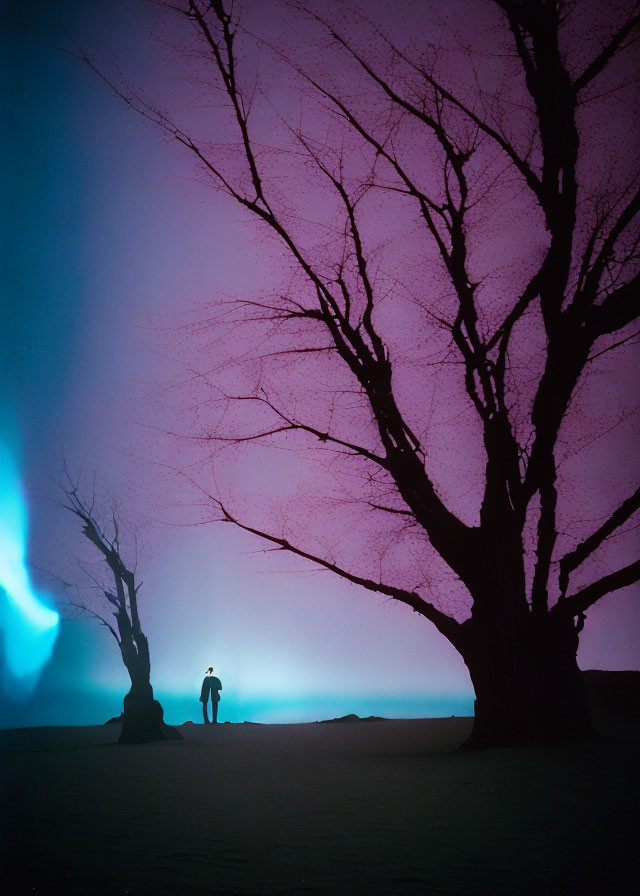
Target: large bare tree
column 465, row 158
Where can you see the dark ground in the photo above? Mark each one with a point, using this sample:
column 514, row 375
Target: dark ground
column 385, row 808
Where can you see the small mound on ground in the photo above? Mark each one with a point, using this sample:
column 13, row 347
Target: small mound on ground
column 352, row 717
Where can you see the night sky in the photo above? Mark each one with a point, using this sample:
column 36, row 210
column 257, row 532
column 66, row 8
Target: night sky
column 115, row 248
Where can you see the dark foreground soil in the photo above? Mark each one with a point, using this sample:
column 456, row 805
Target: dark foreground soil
column 384, row 808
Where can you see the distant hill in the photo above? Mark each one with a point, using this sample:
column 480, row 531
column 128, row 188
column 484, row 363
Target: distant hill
column 613, row 693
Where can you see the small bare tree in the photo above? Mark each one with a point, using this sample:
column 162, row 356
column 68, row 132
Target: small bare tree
column 142, row 718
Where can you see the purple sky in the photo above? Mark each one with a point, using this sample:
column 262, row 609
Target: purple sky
column 119, row 248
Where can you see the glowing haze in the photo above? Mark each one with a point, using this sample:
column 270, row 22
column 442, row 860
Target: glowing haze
column 117, row 250
column 29, row 625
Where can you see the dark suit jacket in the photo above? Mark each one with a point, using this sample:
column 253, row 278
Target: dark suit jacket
column 212, row 685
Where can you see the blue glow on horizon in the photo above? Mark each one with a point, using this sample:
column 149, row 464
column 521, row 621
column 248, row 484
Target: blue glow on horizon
column 66, row 705
column 305, row 708
column 30, row 627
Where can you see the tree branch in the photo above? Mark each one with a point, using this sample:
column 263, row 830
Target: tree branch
column 445, row 624
column 607, row 54
column 592, row 277
column 291, row 425
column 584, row 550
column 586, row 597
column 618, row 310
column 522, row 166
column 455, row 540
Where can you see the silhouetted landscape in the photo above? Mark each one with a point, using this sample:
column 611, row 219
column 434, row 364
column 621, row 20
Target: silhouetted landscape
column 320, row 425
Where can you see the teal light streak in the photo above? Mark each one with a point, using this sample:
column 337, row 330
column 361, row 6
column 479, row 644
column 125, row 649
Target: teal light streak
column 30, row 627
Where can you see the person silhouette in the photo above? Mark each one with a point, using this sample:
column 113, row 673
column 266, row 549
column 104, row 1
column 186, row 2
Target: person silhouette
column 210, row 686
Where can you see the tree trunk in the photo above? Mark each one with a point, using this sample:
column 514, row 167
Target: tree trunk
column 142, row 719
column 529, row 689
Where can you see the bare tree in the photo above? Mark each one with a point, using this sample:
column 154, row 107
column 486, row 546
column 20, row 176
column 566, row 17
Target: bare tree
column 405, row 134
column 142, row 718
